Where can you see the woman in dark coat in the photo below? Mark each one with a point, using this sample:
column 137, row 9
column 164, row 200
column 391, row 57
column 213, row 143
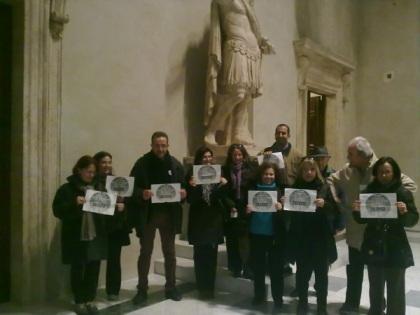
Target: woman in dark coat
column 83, row 235
column 238, row 170
column 385, row 245
column 312, row 242
column 117, row 228
column 268, row 237
column 205, row 224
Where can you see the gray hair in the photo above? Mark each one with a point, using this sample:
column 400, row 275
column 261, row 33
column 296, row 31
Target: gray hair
column 362, row 145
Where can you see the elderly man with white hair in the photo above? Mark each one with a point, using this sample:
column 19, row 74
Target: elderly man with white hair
column 346, row 184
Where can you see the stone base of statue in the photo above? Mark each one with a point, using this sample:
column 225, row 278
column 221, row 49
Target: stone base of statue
column 220, row 150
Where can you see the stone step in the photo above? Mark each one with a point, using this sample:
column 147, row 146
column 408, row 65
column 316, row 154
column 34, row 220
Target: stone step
column 342, row 255
column 184, row 250
column 224, row 280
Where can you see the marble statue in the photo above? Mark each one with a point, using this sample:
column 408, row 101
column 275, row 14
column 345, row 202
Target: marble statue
column 234, row 70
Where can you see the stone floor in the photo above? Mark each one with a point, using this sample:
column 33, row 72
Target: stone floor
column 227, row 303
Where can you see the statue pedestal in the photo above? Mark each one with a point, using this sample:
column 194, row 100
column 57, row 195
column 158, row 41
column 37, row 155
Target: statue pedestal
column 221, row 150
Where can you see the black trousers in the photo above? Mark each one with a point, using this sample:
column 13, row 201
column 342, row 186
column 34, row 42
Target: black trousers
column 305, row 266
column 354, row 272
column 84, row 281
column 264, row 254
column 395, row 287
column 237, row 251
column 205, row 264
column 113, row 266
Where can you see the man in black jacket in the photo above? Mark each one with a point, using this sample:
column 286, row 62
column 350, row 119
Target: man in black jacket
column 156, row 167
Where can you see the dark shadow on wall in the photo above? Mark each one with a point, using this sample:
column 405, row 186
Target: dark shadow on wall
column 195, row 63
column 302, row 18
column 189, row 72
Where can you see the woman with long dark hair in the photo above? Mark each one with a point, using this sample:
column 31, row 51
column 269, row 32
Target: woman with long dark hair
column 117, row 228
column 205, row 224
column 238, row 170
column 83, row 235
column 385, row 246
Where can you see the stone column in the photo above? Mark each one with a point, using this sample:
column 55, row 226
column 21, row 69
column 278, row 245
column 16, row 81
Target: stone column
column 36, row 126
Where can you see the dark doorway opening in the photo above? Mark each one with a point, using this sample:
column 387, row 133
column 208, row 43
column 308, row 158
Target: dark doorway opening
column 315, row 123
column 5, row 146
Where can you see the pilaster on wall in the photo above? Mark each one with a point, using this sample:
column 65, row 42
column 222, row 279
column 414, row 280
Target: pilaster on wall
column 324, row 72
column 39, row 116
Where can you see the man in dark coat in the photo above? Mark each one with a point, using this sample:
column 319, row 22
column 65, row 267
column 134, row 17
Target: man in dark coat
column 156, row 167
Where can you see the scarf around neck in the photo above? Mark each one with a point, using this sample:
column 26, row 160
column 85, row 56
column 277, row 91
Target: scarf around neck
column 236, row 175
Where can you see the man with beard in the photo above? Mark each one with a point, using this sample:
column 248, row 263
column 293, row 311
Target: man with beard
column 291, row 156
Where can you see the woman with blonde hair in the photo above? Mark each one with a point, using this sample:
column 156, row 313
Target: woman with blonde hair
column 312, row 240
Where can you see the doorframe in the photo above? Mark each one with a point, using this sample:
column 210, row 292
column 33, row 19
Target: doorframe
column 36, row 132
column 323, row 72
column 6, row 250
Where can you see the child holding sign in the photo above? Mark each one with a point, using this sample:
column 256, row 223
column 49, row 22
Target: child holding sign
column 267, row 231
column 385, row 245
column 311, row 238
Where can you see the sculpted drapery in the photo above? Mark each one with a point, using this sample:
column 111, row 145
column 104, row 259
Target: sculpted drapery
column 234, row 69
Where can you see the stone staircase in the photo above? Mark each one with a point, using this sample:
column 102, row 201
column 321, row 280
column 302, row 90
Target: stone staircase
column 224, row 280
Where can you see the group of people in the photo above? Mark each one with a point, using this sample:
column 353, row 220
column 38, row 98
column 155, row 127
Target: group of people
column 257, row 243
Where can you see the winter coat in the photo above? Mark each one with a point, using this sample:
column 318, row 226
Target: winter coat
column 239, row 225
column 117, row 225
column 346, row 185
column 310, row 234
column 292, row 159
column 206, row 219
column 385, row 241
column 70, row 213
column 144, row 172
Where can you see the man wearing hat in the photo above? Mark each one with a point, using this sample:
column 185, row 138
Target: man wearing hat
column 321, row 156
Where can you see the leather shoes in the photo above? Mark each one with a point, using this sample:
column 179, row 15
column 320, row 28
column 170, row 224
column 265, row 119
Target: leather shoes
column 302, row 308
column 173, row 294
column 140, row 297
column 92, row 309
column 348, row 309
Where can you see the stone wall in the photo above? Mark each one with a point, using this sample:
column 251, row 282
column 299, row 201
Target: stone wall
column 388, row 109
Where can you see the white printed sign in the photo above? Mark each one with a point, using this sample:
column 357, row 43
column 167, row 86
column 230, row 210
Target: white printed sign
column 262, row 201
column 207, row 174
column 302, row 200
column 120, row 185
column 162, row 193
column 99, row 202
column 275, row 158
column 378, row 206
